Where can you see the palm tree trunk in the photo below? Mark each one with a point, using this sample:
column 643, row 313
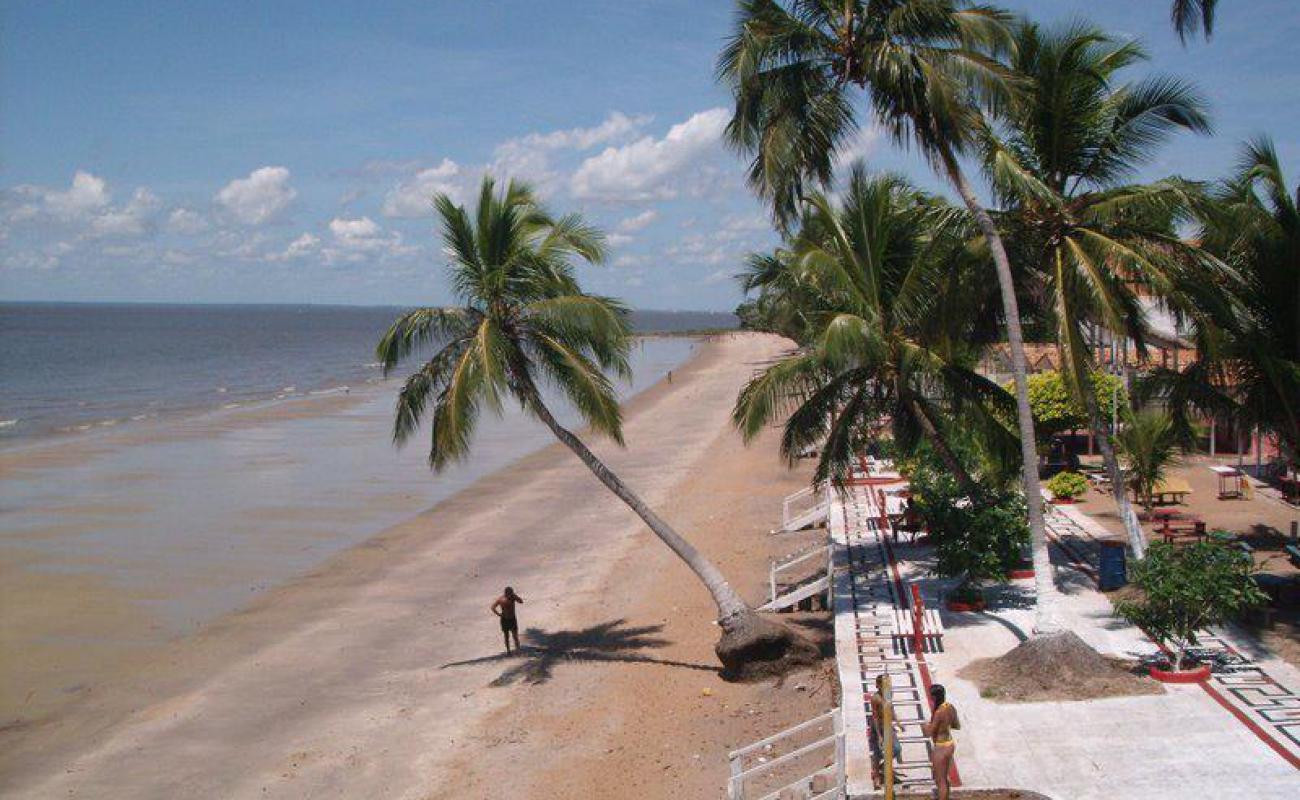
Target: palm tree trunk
column 1137, row 542
column 751, row 645
column 1045, row 620
column 728, row 602
column 949, row 458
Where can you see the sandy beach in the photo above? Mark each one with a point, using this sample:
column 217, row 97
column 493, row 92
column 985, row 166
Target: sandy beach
column 379, row 674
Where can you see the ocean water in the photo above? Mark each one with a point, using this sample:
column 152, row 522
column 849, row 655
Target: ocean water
column 168, row 465
column 67, row 368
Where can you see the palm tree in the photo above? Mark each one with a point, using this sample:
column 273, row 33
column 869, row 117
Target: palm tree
column 525, row 321
column 880, row 278
column 1094, row 243
column 1192, row 16
column 925, row 68
column 1150, row 444
column 1248, row 367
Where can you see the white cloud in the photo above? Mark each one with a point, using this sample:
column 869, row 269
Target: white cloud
column 301, row 246
column 619, row 239
column 260, row 197
column 185, row 221
column 529, row 157
column 646, row 168
column 637, row 222
column 361, row 239
column 413, row 198
column 133, row 219
column 861, row 145
column 87, row 195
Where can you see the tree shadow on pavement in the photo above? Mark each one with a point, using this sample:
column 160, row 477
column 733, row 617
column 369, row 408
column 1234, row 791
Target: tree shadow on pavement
column 542, row 651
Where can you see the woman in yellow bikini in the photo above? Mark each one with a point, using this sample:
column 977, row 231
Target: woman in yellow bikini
column 940, row 727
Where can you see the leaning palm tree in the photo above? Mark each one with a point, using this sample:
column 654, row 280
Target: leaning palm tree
column 884, row 281
column 1095, row 246
column 1150, row 444
column 927, row 70
column 524, row 322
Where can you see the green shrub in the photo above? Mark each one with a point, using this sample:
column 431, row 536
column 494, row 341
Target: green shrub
column 981, row 540
column 1185, row 589
column 1067, row 485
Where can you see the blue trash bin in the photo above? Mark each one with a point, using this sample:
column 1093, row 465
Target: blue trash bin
column 1113, row 569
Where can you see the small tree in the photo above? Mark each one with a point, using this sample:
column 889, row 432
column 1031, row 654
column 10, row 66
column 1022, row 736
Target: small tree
column 1151, row 446
column 1185, row 589
column 1056, row 410
column 981, row 540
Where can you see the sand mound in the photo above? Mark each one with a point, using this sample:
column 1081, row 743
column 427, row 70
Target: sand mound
column 1059, row 666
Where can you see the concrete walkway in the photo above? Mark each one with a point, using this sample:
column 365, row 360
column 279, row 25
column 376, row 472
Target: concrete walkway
column 1235, row 736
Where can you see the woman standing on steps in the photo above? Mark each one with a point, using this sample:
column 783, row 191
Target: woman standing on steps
column 940, row 727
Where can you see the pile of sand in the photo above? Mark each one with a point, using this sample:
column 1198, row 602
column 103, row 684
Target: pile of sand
column 1056, row 667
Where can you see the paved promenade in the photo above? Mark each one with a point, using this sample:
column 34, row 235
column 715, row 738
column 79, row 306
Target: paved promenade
column 1236, row 736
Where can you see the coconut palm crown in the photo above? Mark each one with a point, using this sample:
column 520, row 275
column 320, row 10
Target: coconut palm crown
column 523, row 322
column 891, row 297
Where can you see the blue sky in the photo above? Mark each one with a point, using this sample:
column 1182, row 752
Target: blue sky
column 285, row 152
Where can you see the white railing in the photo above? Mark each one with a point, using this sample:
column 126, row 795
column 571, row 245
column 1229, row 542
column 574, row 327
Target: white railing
column 752, row 762
column 779, row 567
column 799, row 508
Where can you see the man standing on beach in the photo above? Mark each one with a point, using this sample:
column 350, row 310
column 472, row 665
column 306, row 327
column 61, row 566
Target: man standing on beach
column 504, row 607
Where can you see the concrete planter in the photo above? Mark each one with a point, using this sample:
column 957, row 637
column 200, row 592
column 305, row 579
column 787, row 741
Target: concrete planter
column 1197, row 675
column 1063, row 501
column 965, row 606
column 1021, row 574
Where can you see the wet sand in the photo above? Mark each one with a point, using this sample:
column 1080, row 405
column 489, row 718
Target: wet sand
column 333, row 686
column 116, row 542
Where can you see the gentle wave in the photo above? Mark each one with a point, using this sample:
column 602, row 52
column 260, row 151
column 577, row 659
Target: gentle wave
column 8, row 423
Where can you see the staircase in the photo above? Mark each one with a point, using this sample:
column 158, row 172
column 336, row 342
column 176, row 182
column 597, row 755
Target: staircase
column 804, row 509
column 788, row 594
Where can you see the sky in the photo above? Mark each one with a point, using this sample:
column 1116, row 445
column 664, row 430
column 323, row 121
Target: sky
column 287, row 152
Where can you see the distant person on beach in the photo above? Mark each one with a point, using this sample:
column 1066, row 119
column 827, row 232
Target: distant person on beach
column 876, row 732
column 943, row 721
column 504, row 607
column 670, row 376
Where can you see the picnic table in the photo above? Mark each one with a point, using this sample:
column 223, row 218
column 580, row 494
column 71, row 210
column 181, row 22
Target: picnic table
column 1231, row 481
column 1174, row 523
column 1177, row 488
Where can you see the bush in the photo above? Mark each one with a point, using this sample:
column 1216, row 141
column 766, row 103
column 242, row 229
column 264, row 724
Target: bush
column 1056, row 410
column 1185, row 589
column 1067, row 485
column 984, row 541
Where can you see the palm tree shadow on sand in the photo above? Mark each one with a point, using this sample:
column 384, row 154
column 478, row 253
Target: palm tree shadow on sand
column 611, row 641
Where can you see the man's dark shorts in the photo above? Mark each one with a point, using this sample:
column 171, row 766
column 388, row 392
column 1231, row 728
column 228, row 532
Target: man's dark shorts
column 509, row 625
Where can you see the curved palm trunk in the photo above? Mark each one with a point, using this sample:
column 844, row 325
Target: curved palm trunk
column 1137, row 542
column 730, row 607
column 949, row 458
column 1045, row 620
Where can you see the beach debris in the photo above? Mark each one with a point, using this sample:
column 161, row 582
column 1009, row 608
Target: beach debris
column 706, row 692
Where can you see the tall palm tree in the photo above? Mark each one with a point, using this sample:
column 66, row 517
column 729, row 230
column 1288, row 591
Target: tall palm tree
column 1193, row 16
column 880, row 280
column 1095, row 244
column 925, row 68
column 1248, row 367
column 524, row 321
